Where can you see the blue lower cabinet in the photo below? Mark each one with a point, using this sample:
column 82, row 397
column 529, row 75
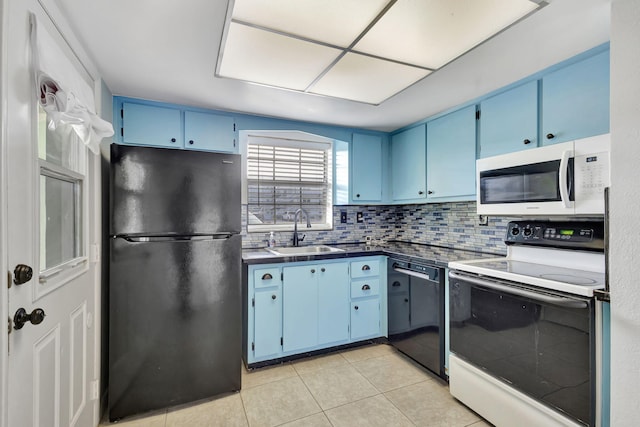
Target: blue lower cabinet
column 333, row 306
column 300, row 307
column 365, row 318
column 267, row 322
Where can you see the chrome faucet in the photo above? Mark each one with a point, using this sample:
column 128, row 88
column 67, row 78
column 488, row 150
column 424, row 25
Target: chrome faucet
column 296, row 239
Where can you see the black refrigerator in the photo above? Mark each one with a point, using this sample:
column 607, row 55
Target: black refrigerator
column 174, row 287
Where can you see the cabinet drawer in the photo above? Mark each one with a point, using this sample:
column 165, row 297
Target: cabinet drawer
column 266, row 277
column 365, row 288
column 365, row 268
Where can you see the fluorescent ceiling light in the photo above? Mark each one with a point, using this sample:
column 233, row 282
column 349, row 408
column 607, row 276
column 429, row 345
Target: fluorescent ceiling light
column 365, row 51
column 366, row 79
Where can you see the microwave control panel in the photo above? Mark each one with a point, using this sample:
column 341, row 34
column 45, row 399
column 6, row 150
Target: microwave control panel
column 579, row 235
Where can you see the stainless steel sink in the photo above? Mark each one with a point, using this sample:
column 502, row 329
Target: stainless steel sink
column 304, row 250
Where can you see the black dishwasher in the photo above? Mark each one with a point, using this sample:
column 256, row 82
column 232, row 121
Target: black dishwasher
column 416, row 311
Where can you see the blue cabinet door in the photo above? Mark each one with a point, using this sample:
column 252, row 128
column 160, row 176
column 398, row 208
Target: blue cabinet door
column 509, row 121
column 408, row 164
column 575, row 100
column 150, row 125
column 211, row 132
column 333, row 303
column 451, row 155
column 267, row 322
column 365, row 318
column 300, row 307
column 366, row 168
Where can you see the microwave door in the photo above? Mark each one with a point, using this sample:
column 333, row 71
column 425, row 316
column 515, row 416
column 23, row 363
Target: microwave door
column 536, row 184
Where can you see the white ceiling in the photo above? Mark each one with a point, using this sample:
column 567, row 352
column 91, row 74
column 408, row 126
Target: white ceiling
column 167, row 51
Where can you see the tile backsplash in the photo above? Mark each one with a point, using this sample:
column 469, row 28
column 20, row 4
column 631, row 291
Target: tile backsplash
column 453, row 225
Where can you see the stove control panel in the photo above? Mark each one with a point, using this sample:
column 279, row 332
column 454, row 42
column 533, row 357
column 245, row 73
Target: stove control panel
column 587, row 235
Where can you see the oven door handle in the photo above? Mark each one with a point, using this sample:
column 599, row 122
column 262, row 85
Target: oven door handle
column 413, row 273
column 498, row 286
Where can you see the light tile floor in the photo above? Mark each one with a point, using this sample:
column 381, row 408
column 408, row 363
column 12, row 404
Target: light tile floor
column 368, row 386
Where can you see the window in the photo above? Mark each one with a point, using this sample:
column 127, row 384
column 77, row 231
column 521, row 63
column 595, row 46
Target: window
column 62, row 167
column 284, row 175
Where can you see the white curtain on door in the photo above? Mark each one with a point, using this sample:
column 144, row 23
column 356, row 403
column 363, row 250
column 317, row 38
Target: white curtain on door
column 63, row 93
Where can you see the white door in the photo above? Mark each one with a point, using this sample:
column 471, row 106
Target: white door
column 49, row 194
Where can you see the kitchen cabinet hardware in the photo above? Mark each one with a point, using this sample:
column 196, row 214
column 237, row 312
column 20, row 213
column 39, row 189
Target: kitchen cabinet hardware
column 273, row 297
column 355, row 307
column 396, row 284
column 429, row 192
column 267, row 276
column 21, row 317
column 191, row 141
column 421, row 192
column 550, row 136
column 527, row 141
column 313, row 270
column 366, row 287
column 406, row 300
column 323, row 269
column 365, row 267
column 173, row 140
column 22, row 274
column 358, row 195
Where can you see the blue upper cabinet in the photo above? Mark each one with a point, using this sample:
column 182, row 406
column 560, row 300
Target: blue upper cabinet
column 211, row 132
column 408, row 164
column 167, row 125
column 366, row 168
column 509, row 121
column 151, row 125
column 575, row 100
column 451, row 156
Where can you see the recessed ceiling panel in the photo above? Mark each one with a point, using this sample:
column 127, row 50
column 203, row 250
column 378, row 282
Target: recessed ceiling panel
column 366, row 79
column 336, row 22
column 272, row 59
column 430, row 33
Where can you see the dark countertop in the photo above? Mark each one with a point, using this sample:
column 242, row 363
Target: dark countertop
column 434, row 255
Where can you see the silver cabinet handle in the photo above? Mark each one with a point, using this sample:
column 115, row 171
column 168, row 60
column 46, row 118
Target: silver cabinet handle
column 267, row 276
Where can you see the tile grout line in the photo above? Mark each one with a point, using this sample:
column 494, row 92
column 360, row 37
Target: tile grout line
column 244, row 410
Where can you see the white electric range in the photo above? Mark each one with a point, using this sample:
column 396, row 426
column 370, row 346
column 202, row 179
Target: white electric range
column 523, row 328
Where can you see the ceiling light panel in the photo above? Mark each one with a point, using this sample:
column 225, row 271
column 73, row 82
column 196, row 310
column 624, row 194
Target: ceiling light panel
column 366, row 79
column 268, row 58
column 431, row 33
column 336, row 22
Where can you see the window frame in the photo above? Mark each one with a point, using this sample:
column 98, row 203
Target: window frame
column 75, row 172
column 292, row 139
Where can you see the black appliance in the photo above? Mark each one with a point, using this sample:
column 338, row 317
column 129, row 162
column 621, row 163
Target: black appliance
column 174, row 291
column 416, row 311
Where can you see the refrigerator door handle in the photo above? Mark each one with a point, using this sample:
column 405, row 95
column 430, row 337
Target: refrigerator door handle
column 188, row 238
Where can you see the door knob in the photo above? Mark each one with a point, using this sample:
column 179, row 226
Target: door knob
column 21, row 317
column 22, row 274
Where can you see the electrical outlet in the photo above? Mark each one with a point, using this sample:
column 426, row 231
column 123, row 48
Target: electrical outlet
column 483, row 220
column 359, row 217
column 343, row 217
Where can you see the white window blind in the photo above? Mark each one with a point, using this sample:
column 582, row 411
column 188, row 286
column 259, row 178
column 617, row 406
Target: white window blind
column 283, row 177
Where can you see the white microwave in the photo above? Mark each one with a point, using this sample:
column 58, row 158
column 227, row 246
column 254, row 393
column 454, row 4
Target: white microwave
column 562, row 179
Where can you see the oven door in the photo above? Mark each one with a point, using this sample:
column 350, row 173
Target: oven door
column 538, row 182
column 539, row 342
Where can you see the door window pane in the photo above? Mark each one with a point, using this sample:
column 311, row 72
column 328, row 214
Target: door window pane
column 60, row 220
